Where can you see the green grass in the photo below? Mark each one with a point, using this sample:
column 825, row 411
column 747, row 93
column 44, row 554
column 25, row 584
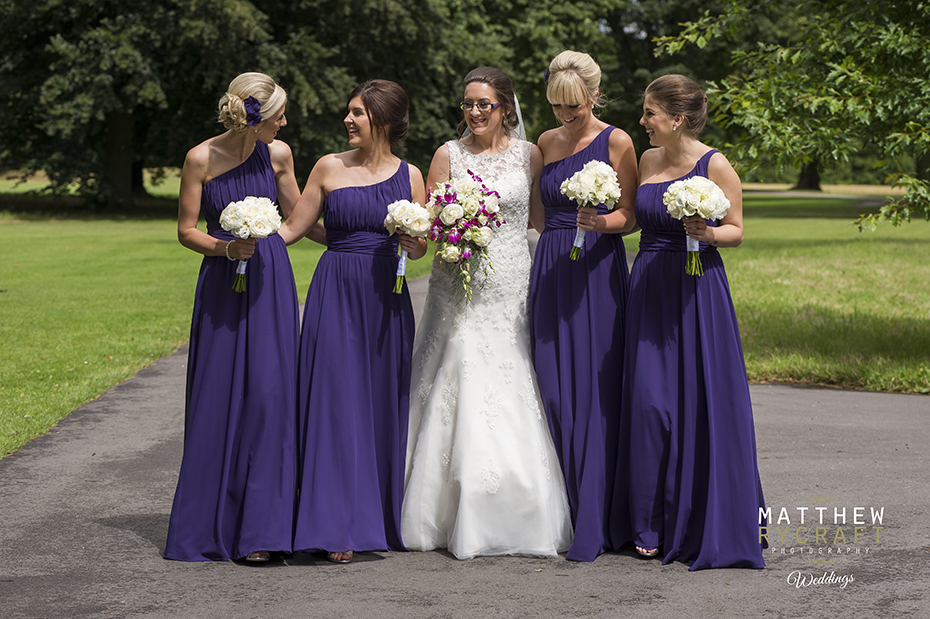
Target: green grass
column 89, row 300
column 820, row 302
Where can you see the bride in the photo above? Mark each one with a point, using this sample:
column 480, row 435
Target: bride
column 482, row 473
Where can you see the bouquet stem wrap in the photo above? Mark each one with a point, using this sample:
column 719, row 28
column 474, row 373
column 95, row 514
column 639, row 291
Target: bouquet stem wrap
column 577, row 244
column 693, row 266
column 401, row 271
column 239, row 282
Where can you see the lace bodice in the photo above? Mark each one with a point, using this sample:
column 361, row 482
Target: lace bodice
column 509, row 174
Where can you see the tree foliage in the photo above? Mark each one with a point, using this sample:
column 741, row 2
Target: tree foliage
column 96, row 90
column 851, row 74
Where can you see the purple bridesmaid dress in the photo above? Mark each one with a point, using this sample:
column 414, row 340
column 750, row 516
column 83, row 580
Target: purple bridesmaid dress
column 354, row 379
column 576, row 322
column 236, row 488
column 687, row 434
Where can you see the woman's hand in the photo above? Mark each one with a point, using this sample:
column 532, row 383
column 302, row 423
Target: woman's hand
column 588, row 219
column 241, row 249
column 696, row 228
column 415, row 248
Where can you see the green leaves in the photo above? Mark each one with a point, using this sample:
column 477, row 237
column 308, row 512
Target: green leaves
column 851, row 74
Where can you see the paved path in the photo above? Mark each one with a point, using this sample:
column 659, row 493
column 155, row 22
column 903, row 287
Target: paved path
column 84, row 513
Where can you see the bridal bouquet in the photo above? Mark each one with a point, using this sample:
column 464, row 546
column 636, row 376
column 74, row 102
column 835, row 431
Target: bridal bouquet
column 251, row 217
column 465, row 214
column 695, row 196
column 412, row 219
column 595, row 183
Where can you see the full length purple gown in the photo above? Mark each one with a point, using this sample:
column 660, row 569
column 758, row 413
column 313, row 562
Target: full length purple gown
column 237, row 483
column 354, row 379
column 576, row 322
column 687, row 434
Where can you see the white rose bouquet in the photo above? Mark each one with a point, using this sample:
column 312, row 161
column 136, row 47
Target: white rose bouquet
column 249, row 218
column 464, row 214
column 595, row 183
column 695, row 196
column 412, row 219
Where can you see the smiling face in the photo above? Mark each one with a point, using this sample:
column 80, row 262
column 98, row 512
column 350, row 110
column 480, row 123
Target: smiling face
column 357, row 122
column 659, row 125
column 573, row 116
column 482, row 123
column 268, row 130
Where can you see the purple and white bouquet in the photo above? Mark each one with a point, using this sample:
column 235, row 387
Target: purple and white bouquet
column 695, row 196
column 595, row 183
column 465, row 214
column 412, row 219
column 250, row 217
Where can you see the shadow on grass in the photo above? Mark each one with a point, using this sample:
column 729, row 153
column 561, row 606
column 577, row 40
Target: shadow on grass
column 808, row 208
column 37, row 207
column 814, row 344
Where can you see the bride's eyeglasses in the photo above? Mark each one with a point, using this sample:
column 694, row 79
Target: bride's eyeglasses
column 483, row 106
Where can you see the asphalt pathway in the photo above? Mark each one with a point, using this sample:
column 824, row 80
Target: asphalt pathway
column 84, row 513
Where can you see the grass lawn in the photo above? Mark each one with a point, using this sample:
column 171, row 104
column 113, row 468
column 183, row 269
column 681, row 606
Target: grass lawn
column 88, row 299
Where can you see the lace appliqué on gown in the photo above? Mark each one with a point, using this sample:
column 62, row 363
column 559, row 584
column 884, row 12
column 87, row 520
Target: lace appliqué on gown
column 482, row 472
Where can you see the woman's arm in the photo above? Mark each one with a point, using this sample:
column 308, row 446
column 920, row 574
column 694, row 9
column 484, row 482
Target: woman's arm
column 537, row 210
column 283, row 163
column 438, row 168
column 729, row 232
column 622, row 219
column 306, row 213
column 192, row 176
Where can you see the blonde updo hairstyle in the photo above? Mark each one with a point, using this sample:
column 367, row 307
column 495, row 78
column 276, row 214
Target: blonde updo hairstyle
column 679, row 95
column 232, row 111
column 574, row 78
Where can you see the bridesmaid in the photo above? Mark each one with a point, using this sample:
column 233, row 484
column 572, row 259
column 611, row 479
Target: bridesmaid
column 577, row 307
column 235, row 494
column 357, row 336
column 688, row 436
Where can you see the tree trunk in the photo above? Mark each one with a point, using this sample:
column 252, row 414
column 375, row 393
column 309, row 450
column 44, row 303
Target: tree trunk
column 809, row 179
column 118, row 160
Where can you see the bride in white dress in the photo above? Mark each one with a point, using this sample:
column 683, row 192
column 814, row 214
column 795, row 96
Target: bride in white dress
column 482, row 474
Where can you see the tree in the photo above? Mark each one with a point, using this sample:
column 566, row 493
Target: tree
column 98, row 86
column 852, row 74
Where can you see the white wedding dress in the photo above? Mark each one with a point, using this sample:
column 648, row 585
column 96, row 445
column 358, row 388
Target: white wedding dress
column 483, row 476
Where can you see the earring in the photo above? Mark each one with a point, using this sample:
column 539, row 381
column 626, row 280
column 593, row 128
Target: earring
column 256, row 129
column 674, row 127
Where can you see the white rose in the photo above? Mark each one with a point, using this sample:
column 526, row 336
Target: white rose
column 449, row 253
column 481, row 236
column 261, row 227
column 451, row 214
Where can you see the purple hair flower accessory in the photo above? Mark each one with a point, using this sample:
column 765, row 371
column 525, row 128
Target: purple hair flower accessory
column 546, row 76
column 253, row 111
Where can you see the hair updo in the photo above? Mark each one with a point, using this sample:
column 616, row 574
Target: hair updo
column 232, row 112
column 502, row 88
column 387, row 106
column 574, row 78
column 679, row 95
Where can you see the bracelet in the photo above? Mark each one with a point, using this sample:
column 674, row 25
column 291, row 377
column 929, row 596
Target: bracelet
column 228, row 243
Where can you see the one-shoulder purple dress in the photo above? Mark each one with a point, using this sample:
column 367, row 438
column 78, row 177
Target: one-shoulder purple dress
column 576, row 322
column 236, row 488
column 354, row 379
column 687, row 434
